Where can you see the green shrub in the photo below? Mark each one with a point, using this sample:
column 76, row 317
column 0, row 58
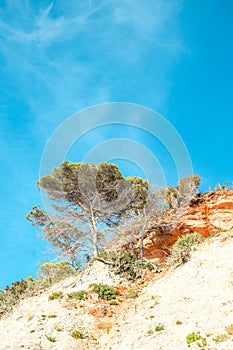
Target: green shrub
column 148, row 266
column 220, row 338
column 202, row 343
column 79, row 295
column 49, row 273
column 159, row 327
column 58, row 328
column 229, row 329
column 122, row 262
column 55, row 295
column 11, row 295
column 131, row 292
column 125, row 263
column 104, row 291
column 178, row 322
column 52, row 339
column 192, row 337
column 77, row 334
column 180, row 252
column 216, row 233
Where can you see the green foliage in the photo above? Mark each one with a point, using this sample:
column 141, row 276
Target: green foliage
column 202, row 343
column 220, row 338
column 216, row 233
column 192, row 337
column 125, row 263
column 55, row 295
column 49, row 273
column 159, row 327
column 180, row 252
column 11, row 295
column 178, row 322
column 229, row 329
column 131, row 292
column 52, row 339
column 58, row 328
column 104, row 291
column 77, row 334
column 122, row 262
column 79, row 295
column 140, row 188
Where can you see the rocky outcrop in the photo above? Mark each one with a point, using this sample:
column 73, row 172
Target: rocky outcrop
column 206, row 215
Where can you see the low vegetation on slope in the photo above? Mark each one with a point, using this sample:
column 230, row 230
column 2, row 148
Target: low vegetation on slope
column 185, row 307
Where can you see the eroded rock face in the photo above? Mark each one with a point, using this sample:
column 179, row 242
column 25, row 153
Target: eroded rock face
column 213, row 212
column 210, row 213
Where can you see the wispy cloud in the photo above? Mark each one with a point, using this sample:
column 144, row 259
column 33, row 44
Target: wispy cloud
column 65, row 57
column 42, row 27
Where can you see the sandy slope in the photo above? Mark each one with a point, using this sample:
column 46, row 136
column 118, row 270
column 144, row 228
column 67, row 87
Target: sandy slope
column 198, row 294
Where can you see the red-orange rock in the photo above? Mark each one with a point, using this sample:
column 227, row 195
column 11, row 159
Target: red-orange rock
column 206, row 215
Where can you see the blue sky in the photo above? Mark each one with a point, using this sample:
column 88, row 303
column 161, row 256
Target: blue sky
column 58, row 57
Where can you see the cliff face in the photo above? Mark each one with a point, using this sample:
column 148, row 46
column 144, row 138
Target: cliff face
column 213, row 212
column 206, row 215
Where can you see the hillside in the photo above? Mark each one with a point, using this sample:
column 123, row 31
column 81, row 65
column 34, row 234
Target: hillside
column 157, row 312
column 199, row 294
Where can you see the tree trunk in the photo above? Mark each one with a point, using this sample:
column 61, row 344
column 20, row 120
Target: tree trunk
column 143, row 229
column 94, row 235
column 95, row 246
column 141, row 243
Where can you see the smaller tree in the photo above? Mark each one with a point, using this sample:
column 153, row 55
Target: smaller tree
column 188, row 187
column 65, row 239
column 142, row 218
column 172, row 197
column 154, row 208
column 183, row 193
column 181, row 249
column 50, row 273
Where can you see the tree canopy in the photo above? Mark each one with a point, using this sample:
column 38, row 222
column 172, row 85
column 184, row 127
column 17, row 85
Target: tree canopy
column 88, row 201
